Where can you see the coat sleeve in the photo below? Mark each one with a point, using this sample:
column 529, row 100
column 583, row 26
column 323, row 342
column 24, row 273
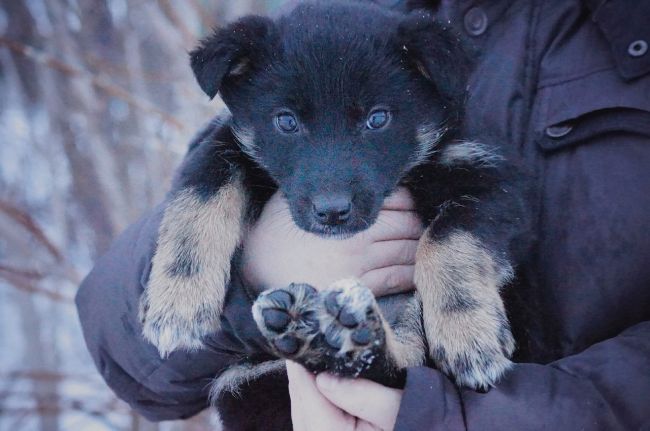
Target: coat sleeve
column 605, row 387
column 107, row 302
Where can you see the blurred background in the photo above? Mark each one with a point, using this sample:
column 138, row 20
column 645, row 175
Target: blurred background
column 97, row 105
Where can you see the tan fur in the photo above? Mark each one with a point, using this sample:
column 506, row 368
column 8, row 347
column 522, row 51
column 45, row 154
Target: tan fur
column 405, row 342
column 468, row 335
column 234, row 377
column 178, row 309
column 469, row 152
column 246, row 140
column 427, row 136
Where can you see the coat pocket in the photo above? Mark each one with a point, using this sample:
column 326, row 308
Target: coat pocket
column 573, row 112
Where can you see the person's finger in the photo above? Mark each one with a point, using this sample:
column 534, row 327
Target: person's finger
column 389, row 280
column 362, row 398
column 310, row 410
column 296, row 388
column 392, row 225
column 400, row 200
column 388, row 253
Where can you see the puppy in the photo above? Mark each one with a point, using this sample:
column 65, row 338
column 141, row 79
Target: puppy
column 336, row 104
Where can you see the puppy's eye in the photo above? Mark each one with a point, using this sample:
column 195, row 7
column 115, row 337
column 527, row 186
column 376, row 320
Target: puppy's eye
column 378, row 119
column 286, row 122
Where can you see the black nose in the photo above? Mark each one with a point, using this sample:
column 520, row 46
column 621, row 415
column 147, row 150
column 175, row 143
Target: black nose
column 331, row 210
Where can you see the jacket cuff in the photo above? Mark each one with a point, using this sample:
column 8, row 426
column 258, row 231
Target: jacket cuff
column 239, row 332
column 429, row 402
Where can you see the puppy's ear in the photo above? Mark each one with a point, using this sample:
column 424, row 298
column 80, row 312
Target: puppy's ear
column 437, row 52
column 231, row 52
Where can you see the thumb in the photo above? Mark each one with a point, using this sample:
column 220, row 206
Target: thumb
column 362, row 398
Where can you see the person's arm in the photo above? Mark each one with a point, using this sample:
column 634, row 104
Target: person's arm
column 107, row 302
column 605, row 387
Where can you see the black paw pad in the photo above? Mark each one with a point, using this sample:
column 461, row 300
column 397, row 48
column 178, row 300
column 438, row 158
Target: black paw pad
column 347, row 319
column 361, row 336
column 332, row 304
column 288, row 345
column 281, row 298
column 275, row 319
column 333, row 336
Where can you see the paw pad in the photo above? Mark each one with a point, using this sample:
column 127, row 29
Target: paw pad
column 333, row 336
column 332, row 304
column 342, row 313
column 361, row 336
column 281, row 298
column 276, row 320
column 287, row 344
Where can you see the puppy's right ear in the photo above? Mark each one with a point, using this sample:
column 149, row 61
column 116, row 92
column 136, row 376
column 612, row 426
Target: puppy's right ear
column 437, row 52
column 231, row 52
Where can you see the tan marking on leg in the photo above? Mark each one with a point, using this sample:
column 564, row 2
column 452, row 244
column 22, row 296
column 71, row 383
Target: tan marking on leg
column 463, row 313
column 191, row 267
column 405, row 342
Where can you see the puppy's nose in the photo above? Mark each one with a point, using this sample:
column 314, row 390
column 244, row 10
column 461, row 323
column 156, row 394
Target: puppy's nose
column 332, row 210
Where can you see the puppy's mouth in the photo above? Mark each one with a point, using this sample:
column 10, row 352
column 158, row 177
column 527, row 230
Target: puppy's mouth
column 337, row 232
column 340, row 230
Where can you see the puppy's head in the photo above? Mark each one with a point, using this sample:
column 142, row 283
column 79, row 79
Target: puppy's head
column 337, row 102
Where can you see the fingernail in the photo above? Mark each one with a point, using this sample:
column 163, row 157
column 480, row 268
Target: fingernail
column 326, row 381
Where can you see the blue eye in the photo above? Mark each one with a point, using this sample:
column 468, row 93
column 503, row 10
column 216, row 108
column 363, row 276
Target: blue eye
column 286, row 122
column 378, row 119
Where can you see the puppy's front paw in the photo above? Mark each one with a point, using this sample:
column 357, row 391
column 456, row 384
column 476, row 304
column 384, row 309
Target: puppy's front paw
column 474, row 351
column 287, row 317
column 170, row 326
column 352, row 329
column 339, row 330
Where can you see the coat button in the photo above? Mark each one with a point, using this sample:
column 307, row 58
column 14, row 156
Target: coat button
column 559, row 130
column 637, row 48
column 476, row 21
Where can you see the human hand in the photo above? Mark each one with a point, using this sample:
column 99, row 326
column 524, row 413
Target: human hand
column 330, row 403
column 276, row 252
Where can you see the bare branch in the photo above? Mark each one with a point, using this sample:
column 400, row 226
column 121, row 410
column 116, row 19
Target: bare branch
column 98, row 81
column 25, row 220
column 173, row 17
column 27, row 286
column 42, row 409
column 203, row 14
column 31, row 274
column 43, row 375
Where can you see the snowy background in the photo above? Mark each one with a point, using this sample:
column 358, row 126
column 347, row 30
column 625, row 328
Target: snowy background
column 97, row 104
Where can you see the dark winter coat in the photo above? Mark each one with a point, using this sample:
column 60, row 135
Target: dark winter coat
column 568, row 84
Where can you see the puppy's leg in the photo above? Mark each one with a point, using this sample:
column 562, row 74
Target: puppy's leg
column 339, row 330
column 405, row 339
column 464, row 317
column 191, row 266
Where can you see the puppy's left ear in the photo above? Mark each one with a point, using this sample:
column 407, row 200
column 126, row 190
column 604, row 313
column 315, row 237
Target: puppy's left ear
column 437, row 52
column 231, row 52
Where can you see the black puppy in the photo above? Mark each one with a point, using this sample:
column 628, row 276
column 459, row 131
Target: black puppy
column 337, row 104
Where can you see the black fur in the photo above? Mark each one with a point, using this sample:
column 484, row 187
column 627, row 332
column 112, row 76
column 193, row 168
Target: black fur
column 330, row 65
